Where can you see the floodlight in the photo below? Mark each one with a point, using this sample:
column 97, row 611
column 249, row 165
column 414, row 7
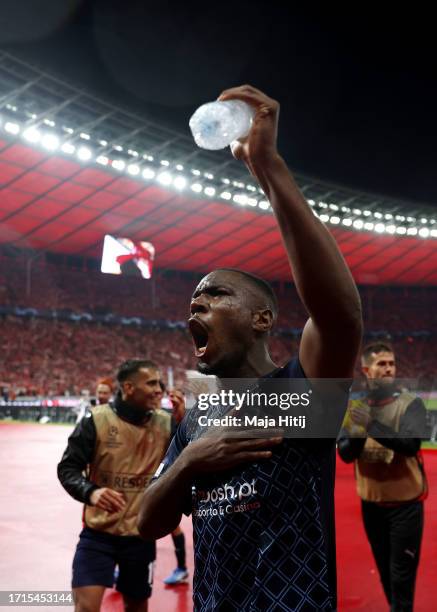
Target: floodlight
column 32, row 135
column 133, row 169
column 68, row 148
column 50, row 142
column 180, row 182
column 165, row 178
column 148, row 173
column 12, row 128
column 226, row 195
column 240, row 198
column 118, row 164
column 84, row 154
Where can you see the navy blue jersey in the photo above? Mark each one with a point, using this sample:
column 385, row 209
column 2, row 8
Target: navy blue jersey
column 264, row 533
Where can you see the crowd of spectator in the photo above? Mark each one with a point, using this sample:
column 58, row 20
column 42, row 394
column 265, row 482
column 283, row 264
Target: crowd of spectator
column 52, row 357
column 46, row 285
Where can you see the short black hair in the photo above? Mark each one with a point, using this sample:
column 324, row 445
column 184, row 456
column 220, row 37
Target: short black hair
column 132, row 366
column 260, row 284
column 380, row 346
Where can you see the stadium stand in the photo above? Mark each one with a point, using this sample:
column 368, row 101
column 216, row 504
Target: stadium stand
column 45, row 353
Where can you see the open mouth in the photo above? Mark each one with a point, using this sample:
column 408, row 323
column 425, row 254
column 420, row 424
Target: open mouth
column 199, row 334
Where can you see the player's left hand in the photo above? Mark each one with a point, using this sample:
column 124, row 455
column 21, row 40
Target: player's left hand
column 260, row 144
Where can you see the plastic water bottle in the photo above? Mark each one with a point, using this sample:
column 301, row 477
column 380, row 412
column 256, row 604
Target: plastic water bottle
column 216, row 124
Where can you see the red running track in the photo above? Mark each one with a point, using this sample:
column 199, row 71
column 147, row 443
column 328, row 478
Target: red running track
column 39, row 526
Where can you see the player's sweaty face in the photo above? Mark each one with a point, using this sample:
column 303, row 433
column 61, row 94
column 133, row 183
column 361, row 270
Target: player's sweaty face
column 220, row 322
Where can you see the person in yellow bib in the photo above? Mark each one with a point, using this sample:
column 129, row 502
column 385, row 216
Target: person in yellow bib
column 382, row 435
column 109, row 460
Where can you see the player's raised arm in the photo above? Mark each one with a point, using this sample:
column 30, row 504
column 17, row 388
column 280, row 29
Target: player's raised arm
column 332, row 335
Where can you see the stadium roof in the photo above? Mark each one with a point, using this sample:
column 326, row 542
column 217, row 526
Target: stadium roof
column 73, row 168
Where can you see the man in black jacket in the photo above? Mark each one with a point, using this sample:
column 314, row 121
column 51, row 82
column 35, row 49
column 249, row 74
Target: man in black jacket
column 118, row 448
column 382, row 435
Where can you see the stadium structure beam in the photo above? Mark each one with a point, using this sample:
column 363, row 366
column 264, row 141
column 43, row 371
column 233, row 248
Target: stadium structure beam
column 410, row 267
column 240, row 246
column 427, row 276
column 195, row 232
column 404, row 254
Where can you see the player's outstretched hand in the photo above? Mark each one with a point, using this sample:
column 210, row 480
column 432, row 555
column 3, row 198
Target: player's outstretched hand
column 219, row 453
column 108, row 499
column 260, row 144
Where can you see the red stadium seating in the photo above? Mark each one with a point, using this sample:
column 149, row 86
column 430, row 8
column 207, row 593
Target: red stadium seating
column 59, row 357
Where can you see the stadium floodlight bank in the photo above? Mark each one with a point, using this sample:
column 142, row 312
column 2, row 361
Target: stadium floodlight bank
column 51, row 115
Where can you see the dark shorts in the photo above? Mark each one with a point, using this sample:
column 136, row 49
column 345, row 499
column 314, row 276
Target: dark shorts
column 98, row 553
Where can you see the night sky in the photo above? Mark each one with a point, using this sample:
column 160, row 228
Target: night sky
column 357, row 87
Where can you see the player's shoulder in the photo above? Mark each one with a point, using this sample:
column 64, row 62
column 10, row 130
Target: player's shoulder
column 408, row 397
column 103, row 413
column 162, row 417
column 101, row 409
column 411, row 401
